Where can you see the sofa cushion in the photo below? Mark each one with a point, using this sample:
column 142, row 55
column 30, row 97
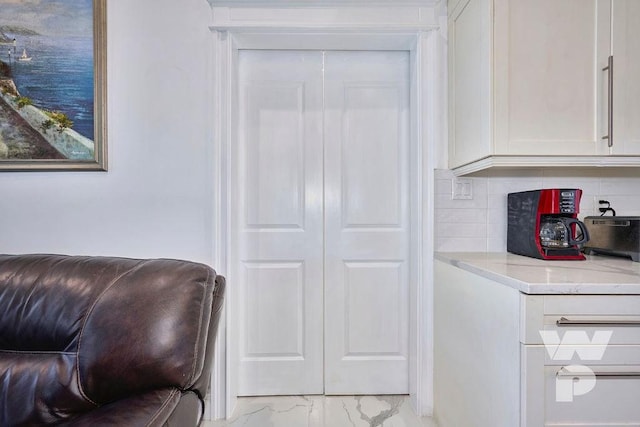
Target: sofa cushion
column 143, row 332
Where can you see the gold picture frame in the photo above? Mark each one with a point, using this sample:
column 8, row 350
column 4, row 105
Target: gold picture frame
column 36, row 135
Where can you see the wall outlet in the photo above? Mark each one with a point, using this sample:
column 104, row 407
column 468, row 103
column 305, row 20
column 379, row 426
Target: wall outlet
column 462, row 189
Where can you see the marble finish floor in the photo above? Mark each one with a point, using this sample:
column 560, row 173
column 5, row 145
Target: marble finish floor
column 323, row 411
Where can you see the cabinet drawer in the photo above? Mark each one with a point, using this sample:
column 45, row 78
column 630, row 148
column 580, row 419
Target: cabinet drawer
column 552, row 393
column 613, row 400
column 617, row 314
column 609, row 329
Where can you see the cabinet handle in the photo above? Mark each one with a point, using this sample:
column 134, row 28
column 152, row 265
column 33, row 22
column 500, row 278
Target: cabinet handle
column 609, row 135
column 564, row 373
column 567, row 322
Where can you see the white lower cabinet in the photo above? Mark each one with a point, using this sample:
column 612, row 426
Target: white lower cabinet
column 586, row 371
column 579, row 392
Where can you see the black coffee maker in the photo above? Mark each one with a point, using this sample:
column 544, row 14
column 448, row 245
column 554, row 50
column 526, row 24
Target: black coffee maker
column 544, row 224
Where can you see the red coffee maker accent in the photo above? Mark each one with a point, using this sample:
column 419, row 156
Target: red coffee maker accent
column 543, row 224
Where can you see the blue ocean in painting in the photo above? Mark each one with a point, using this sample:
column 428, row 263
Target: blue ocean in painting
column 59, row 76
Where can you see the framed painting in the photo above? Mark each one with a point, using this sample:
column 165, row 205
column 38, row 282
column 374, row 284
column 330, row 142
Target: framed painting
column 53, row 112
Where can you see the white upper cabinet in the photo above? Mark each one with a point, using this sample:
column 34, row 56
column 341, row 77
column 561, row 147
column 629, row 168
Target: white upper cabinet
column 626, row 76
column 527, row 85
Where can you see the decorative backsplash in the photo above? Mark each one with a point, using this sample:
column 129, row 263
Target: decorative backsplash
column 479, row 224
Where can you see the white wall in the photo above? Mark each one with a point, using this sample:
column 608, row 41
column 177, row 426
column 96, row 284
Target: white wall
column 156, row 199
column 480, row 224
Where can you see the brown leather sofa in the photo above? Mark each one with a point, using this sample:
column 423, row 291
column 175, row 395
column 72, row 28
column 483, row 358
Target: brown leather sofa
column 93, row 341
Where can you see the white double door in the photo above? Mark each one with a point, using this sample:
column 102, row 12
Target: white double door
column 320, row 236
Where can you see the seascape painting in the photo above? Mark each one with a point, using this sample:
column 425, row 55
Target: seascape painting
column 52, row 85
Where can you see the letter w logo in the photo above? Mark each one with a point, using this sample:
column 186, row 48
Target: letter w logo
column 576, row 342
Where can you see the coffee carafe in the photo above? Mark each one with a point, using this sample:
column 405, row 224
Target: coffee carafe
column 562, row 232
column 544, row 224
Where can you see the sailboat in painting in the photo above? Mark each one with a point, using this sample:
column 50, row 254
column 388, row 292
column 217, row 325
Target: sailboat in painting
column 24, row 57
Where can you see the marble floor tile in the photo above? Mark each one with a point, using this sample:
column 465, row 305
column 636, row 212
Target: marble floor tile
column 323, row 411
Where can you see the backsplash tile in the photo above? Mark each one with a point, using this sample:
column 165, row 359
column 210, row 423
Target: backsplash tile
column 480, row 224
column 464, row 216
column 458, row 244
column 461, row 225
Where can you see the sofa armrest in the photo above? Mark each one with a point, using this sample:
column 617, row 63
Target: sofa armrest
column 159, row 408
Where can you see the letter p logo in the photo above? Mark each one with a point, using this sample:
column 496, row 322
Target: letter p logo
column 574, row 380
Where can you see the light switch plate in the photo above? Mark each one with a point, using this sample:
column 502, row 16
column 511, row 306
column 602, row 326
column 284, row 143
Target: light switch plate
column 462, row 189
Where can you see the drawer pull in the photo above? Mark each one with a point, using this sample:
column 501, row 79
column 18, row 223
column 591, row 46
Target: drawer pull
column 567, row 322
column 565, row 373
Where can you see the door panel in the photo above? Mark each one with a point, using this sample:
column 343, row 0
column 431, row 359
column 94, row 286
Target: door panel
column 366, row 222
column 271, row 286
column 275, row 194
column 370, row 115
column 277, row 238
column 373, row 330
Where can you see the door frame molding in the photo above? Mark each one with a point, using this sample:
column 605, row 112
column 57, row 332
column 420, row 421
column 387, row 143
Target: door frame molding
column 427, row 49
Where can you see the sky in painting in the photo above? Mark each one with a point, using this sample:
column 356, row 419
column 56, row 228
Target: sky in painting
column 49, row 17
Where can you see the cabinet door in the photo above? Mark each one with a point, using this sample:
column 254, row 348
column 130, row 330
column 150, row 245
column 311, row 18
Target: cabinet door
column 626, row 83
column 545, row 79
column 470, row 98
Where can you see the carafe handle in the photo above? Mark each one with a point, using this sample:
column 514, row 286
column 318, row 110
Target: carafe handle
column 581, row 226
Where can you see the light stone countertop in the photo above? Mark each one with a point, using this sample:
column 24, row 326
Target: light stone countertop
column 597, row 275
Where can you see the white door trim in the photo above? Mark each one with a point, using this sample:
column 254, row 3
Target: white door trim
column 426, row 49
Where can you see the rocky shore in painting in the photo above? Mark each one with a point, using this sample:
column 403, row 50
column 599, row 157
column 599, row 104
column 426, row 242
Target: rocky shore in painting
column 18, row 139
